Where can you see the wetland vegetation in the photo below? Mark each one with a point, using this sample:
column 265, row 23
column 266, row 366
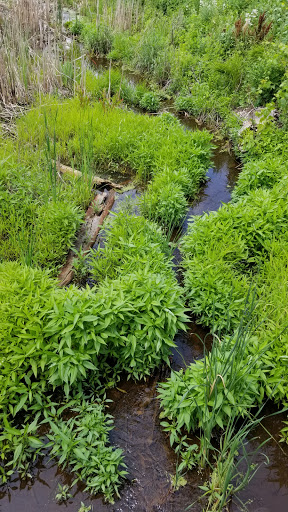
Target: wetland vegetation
column 100, row 87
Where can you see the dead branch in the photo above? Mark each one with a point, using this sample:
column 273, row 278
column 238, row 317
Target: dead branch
column 87, row 234
column 96, row 180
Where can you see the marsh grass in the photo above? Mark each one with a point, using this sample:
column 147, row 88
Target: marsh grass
column 233, row 466
column 33, row 59
column 27, row 241
column 51, row 157
column 215, row 399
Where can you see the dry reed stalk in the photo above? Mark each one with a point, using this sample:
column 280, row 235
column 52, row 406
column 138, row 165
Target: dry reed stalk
column 29, row 58
column 123, row 16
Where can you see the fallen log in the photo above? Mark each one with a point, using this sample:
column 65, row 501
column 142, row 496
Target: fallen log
column 87, row 234
column 96, row 180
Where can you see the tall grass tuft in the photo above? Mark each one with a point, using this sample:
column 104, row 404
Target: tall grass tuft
column 51, row 157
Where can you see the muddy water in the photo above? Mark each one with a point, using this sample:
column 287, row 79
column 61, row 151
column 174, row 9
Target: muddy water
column 268, row 491
column 137, row 431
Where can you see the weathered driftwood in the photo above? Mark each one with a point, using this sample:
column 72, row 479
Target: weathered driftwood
column 88, row 233
column 96, row 180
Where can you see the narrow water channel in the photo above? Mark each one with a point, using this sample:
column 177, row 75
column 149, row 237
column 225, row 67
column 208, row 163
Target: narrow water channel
column 135, row 408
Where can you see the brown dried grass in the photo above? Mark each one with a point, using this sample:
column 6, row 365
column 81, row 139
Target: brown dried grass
column 28, row 55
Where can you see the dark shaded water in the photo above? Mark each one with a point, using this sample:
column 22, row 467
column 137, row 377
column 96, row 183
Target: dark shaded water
column 135, row 408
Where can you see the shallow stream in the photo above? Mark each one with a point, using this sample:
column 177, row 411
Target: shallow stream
column 135, row 408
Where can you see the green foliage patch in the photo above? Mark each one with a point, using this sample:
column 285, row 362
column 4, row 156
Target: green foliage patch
column 223, row 250
column 56, row 342
column 111, row 138
column 82, row 442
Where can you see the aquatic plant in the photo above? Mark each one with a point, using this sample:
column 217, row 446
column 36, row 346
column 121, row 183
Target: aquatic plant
column 63, row 493
column 56, row 339
column 97, row 39
column 260, row 173
column 150, row 102
column 132, row 243
column 82, row 442
column 226, row 383
column 223, row 250
column 207, row 400
column 119, row 137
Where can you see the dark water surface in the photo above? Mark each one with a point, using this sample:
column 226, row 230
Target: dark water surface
column 135, row 408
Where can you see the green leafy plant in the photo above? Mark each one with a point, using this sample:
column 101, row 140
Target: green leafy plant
column 97, row 39
column 225, row 249
column 225, row 384
column 82, row 442
column 150, row 102
column 63, row 493
column 85, row 508
column 132, row 243
column 80, row 265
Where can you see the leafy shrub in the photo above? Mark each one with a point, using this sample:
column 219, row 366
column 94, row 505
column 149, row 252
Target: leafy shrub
column 272, row 317
column 19, row 447
column 150, row 102
column 56, row 339
column 26, row 297
column 131, row 243
column 142, row 333
column 223, row 249
column 164, row 202
column 268, row 140
column 261, row 173
column 81, row 330
column 30, row 219
column 124, row 326
column 58, row 224
column 202, row 102
column 82, row 441
column 265, row 73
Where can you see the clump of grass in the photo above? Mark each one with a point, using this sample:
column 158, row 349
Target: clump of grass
column 208, row 399
column 150, row 102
